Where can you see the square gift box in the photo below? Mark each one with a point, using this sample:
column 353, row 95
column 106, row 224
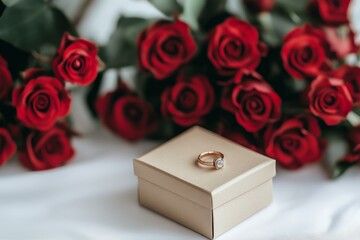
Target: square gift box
column 210, row 201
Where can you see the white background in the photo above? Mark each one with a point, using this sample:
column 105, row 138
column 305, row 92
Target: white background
column 94, row 196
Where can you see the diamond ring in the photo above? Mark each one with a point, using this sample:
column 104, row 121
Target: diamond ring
column 212, row 158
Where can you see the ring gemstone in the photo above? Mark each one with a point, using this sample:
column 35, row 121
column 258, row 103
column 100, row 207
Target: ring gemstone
column 219, row 163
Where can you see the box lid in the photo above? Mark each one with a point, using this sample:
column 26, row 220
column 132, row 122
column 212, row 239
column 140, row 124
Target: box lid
column 173, row 166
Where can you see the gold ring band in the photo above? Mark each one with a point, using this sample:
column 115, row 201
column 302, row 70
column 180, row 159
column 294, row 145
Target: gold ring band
column 217, row 161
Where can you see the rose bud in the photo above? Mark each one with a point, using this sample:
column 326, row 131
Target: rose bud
column 233, row 45
column 76, row 60
column 164, row 47
column 189, row 100
column 306, row 52
column 7, row 146
column 252, row 100
column 126, row 114
column 330, row 99
column 351, row 77
column 238, row 135
column 259, row 6
column 40, row 102
column 332, row 12
column 294, row 142
column 46, row 150
column 5, row 79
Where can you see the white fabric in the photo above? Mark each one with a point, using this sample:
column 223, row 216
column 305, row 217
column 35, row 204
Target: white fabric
column 95, row 197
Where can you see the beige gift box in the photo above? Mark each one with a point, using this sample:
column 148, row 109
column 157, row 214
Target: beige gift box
column 204, row 199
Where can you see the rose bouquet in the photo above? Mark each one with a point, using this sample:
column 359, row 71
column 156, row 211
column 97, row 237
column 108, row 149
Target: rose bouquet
column 35, row 71
column 278, row 77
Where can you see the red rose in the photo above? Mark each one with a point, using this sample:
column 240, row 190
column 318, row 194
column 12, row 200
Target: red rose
column 46, row 150
column 76, row 60
column 295, row 142
column 259, row 6
column 236, row 134
column 252, row 100
column 342, row 43
column 164, row 47
column 351, row 77
column 189, row 100
column 329, row 99
column 7, row 146
column 126, row 114
column 234, row 45
column 334, row 12
column 306, row 52
column 40, row 102
column 5, row 79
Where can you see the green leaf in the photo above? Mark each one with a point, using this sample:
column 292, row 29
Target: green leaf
column 132, row 26
column 9, row 3
column 237, row 8
column 337, row 148
column 341, row 167
column 192, row 11
column 121, row 49
column 168, row 7
column 283, row 21
column 211, row 9
column 32, row 24
column 299, row 6
column 293, row 11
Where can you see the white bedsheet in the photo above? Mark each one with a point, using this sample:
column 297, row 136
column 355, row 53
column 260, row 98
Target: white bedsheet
column 95, row 197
